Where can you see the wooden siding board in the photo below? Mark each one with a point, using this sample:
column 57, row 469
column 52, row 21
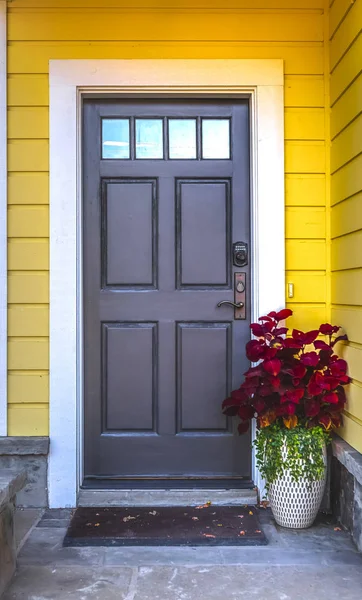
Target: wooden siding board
column 347, row 181
column 305, row 223
column 350, row 319
column 351, row 432
column 28, row 387
column 346, row 217
column 347, row 145
column 304, row 124
column 347, row 70
column 305, row 157
column 28, row 420
column 354, row 402
column 307, row 316
column 337, row 12
column 192, row 4
column 26, row 254
column 28, row 354
column 28, row 320
column 28, row 188
column 347, row 108
column 346, row 252
column 163, row 25
column 28, row 155
column 347, row 32
column 28, row 287
column 305, row 190
column 33, row 57
column 30, row 122
column 305, row 255
column 353, row 355
column 304, row 91
column 28, row 90
column 346, row 287
column 28, row 221
column 309, row 286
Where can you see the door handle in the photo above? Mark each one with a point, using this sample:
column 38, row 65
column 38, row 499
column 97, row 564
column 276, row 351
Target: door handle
column 234, row 304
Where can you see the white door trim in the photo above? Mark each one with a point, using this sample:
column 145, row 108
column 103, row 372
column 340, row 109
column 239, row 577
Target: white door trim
column 262, row 81
column 3, row 220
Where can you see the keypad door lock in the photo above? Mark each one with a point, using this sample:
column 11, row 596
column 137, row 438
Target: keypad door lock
column 240, row 254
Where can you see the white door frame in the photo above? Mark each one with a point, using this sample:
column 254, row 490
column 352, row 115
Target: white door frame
column 262, row 81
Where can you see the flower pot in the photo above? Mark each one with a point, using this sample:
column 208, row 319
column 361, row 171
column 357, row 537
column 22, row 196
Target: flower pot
column 295, row 504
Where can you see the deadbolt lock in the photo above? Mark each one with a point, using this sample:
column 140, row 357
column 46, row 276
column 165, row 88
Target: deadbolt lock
column 240, row 254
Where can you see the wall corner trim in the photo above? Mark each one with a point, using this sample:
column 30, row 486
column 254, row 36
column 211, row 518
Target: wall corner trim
column 3, row 219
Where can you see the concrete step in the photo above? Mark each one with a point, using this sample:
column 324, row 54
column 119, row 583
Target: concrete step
column 190, row 497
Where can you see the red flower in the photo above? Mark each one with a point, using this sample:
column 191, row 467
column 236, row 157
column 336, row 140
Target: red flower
column 258, row 404
column 243, row 427
column 257, row 329
column 312, row 407
column 281, row 315
column 326, row 421
column 273, row 366
column 316, row 384
column 327, row 329
column 293, row 396
column 293, row 387
column 287, row 409
column 309, row 359
column 230, row 407
column 320, row 345
column 246, row 412
column 270, row 352
column 304, row 338
column 280, row 331
column 338, row 367
column 331, row 398
column 255, row 350
column 275, row 382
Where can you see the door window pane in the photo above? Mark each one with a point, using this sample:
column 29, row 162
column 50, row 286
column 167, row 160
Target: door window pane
column 182, row 138
column 149, row 138
column 115, row 138
column 215, row 138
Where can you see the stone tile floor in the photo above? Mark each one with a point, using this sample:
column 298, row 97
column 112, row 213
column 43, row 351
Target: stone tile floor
column 317, row 564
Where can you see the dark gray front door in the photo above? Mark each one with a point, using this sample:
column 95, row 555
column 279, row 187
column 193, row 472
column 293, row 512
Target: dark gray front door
column 165, row 196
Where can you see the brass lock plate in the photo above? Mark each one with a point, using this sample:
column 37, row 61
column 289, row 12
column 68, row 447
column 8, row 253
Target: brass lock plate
column 240, row 295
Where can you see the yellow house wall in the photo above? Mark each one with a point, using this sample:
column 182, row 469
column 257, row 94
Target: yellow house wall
column 346, row 195
column 40, row 30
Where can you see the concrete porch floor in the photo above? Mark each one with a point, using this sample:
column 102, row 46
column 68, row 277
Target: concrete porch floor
column 317, row 564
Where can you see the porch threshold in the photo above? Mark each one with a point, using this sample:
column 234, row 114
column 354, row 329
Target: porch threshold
column 166, row 497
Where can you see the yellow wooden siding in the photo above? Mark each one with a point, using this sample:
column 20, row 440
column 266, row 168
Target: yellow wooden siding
column 346, row 197
column 41, row 30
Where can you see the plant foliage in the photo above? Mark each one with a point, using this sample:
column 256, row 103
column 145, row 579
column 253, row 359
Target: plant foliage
column 298, row 380
column 298, row 450
column 295, row 392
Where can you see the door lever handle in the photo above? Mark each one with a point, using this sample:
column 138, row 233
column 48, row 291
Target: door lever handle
column 234, row 304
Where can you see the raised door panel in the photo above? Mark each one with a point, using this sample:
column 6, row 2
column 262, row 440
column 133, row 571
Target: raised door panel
column 129, row 234
column 129, row 377
column 203, row 375
column 203, row 223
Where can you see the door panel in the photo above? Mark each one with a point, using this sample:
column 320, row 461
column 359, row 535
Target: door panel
column 203, row 231
column 159, row 356
column 203, row 374
column 129, row 400
column 129, row 233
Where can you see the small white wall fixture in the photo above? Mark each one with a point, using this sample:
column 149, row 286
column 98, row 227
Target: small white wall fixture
column 70, row 80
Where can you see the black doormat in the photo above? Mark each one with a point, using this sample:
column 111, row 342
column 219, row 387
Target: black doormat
column 204, row 525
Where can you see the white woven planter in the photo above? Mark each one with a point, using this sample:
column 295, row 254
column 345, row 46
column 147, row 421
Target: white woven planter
column 295, row 504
